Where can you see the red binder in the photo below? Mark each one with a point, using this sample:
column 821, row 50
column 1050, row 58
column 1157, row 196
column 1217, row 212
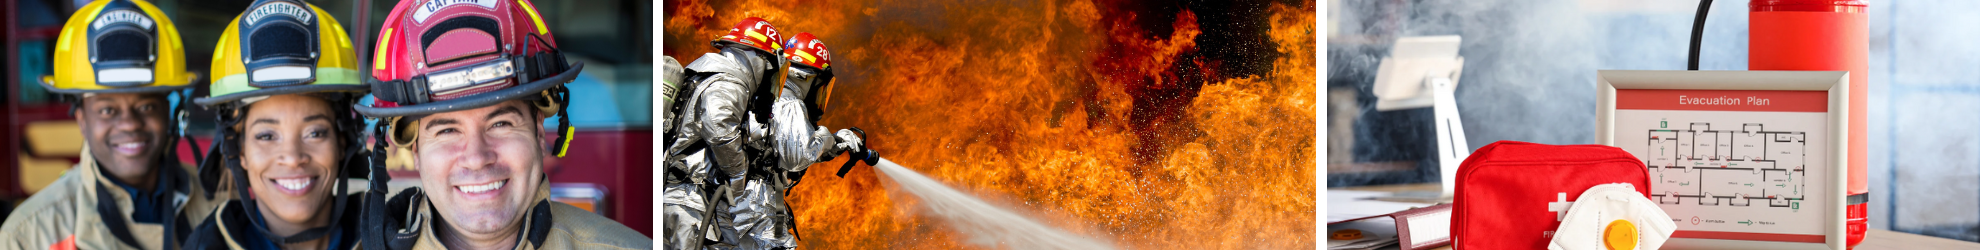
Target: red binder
column 1420, row 228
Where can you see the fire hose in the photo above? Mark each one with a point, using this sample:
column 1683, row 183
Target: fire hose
column 864, row 154
column 969, row 214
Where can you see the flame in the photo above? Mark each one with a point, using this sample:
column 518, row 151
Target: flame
column 1073, row 111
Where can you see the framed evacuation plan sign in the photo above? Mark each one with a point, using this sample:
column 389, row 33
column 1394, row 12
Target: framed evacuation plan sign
column 1739, row 159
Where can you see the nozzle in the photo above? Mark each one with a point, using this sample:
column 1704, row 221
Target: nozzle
column 864, row 154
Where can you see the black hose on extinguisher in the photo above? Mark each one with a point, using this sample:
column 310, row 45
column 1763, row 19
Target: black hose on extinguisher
column 1698, row 32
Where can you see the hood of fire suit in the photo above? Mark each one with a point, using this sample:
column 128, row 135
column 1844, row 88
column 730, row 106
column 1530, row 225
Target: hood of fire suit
column 798, row 141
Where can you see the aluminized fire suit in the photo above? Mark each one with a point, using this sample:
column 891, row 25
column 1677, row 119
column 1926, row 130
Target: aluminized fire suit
column 707, row 163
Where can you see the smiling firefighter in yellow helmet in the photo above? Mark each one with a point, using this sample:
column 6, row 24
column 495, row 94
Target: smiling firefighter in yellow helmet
column 120, row 62
column 286, row 141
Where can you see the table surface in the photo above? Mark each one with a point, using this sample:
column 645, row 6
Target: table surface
column 1875, row 239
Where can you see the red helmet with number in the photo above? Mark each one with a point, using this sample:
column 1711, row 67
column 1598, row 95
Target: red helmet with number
column 754, row 32
column 437, row 56
column 805, row 51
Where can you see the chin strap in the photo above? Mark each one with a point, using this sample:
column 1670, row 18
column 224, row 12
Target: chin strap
column 209, row 168
column 182, row 113
column 375, row 227
column 380, row 230
column 543, row 65
column 562, row 96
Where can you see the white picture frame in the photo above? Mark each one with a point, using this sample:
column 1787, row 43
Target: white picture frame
column 1835, row 83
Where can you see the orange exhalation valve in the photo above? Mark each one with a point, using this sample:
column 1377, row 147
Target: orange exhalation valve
column 1620, row 235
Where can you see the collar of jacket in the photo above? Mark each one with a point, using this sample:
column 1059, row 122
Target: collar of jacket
column 536, row 222
column 231, row 216
column 94, row 174
column 96, row 186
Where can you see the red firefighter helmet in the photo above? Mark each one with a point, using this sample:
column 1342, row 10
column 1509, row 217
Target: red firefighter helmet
column 753, row 32
column 806, row 51
column 439, row 56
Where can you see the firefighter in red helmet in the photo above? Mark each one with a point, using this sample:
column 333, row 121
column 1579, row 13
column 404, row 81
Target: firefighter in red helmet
column 717, row 136
column 462, row 89
column 797, row 138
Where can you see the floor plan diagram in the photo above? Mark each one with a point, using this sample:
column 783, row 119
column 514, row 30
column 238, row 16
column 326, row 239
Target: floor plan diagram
column 1735, row 168
column 1720, row 165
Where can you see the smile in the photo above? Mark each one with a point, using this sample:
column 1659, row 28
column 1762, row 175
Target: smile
column 483, row 188
column 294, row 186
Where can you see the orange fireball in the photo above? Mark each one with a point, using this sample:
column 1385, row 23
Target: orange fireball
column 1107, row 119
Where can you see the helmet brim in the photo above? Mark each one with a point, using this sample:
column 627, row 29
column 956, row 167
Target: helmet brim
column 151, row 89
column 530, row 89
column 217, row 100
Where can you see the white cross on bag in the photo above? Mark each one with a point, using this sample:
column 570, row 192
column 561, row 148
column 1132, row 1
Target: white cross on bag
column 1559, row 206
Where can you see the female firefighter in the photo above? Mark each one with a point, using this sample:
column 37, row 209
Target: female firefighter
column 285, row 77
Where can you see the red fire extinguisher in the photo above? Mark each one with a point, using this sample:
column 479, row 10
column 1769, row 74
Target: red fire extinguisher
column 1824, row 35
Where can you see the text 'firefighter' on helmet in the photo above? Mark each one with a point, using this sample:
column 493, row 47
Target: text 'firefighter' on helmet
column 282, row 47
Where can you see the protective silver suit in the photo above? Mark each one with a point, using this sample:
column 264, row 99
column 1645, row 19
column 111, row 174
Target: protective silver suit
column 799, row 141
column 683, row 201
column 760, row 210
column 707, row 154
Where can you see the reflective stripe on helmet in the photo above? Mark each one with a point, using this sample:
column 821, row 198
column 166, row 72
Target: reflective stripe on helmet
column 540, row 28
column 384, row 41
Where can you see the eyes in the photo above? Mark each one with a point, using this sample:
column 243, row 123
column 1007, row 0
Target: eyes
column 140, row 109
column 312, row 133
column 494, row 126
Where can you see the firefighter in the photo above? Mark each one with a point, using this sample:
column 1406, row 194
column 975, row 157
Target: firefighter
column 715, row 135
column 286, row 139
column 682, row 202
column 800, row 142
column 121, row 63
column 462, row 89
column 761, row 212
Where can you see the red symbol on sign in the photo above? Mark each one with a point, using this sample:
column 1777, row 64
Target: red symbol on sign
column 1694, row 220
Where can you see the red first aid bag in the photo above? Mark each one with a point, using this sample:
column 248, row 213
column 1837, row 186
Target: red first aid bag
column 1512, row 195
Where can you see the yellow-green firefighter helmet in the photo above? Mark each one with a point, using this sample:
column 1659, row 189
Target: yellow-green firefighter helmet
column 118, row 46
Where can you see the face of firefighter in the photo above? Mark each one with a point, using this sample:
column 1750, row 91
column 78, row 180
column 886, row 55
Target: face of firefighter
column 126, row 134
column 481, row 168
column 289, row 146
column 808, row 85
column 798, row 82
